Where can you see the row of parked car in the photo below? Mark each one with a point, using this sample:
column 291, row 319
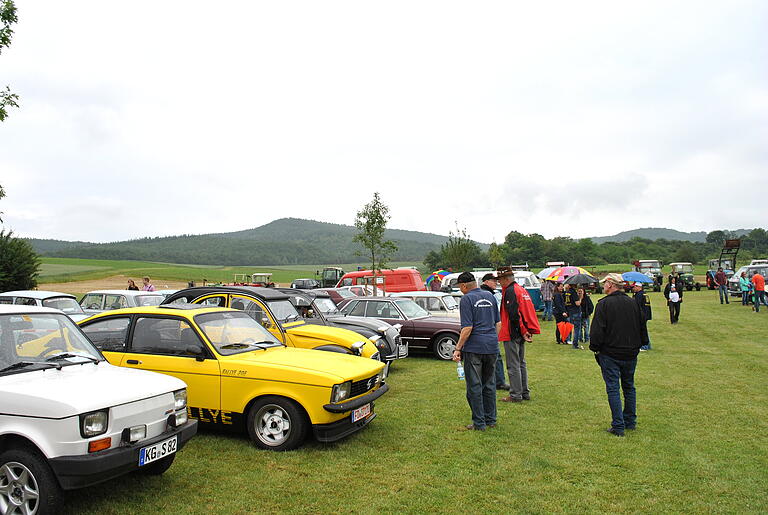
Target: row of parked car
column 75, row 414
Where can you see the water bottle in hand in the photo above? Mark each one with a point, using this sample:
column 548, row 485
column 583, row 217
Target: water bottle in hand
column 460, row 370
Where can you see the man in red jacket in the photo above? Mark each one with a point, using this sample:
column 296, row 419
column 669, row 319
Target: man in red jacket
column 518, row 324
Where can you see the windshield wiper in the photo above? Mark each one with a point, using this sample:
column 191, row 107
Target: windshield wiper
column 258, row 345
column 65, row 355
column 23, row 364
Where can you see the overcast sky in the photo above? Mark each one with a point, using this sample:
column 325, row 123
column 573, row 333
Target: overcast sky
column 562, row 118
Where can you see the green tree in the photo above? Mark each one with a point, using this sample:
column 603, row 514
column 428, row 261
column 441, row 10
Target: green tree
column 716, row 237
column 7, row 18
column 19, row 265
column 685, row 254
column 371, row 222
column 460, row 252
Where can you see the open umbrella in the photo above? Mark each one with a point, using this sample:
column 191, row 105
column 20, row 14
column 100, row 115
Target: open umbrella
column 545, row 273
column 636, row 277
column 559, row 274
column 437, row 274
column 580, row 279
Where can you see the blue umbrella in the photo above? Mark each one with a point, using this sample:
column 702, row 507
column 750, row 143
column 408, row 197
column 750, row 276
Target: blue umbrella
column 636, row 277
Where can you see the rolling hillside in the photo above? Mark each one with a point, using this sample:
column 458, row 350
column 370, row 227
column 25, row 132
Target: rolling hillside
column 657, row 233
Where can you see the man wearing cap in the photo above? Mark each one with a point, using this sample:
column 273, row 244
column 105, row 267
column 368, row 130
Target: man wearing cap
column 645, row 306
column 518, row 324
column 721, row 280
column 478, row 347
column 489, row 285
column 617, row 333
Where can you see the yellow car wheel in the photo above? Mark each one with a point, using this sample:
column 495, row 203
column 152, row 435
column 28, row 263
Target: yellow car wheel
column 277, row 424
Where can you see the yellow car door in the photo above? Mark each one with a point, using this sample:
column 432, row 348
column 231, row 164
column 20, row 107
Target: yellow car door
column 170, row 345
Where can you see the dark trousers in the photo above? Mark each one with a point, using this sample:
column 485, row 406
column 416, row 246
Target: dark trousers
column 517, row 369
column 620, row 374
column 674, row 312
column 722, row 290
column 479, row 370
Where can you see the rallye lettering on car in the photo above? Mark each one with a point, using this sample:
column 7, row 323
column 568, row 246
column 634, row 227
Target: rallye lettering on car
column 238, row 374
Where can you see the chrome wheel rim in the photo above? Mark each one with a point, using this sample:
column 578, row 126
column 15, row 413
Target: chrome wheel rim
column 19, row 492
column 273, row 425
column 445, row 347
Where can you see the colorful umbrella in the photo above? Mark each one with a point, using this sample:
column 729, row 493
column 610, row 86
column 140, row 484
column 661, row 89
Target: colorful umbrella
column 636, row 277
column 545, row 273
column 437, row 274
column 559, row 274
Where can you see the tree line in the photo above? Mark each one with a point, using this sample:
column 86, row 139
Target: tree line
column 461, row 253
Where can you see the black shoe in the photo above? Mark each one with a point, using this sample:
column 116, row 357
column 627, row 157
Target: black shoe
column 502, row 387
column 614, row 432
column 630, row 428
column 472, row 427
column 526, row 398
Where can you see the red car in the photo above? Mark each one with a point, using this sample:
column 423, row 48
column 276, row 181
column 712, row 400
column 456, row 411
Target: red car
column 419, row 328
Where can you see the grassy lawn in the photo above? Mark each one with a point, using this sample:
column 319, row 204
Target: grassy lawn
column 700, row 444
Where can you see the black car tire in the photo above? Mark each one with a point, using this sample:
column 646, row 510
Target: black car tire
column 35, row 475
column 276, row 423
column 159, row 467
column 443, row 345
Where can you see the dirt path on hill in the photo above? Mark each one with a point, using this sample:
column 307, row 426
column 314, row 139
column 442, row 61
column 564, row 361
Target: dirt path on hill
column 116, row 282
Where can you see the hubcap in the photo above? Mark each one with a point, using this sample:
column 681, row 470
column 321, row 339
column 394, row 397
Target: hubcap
column 273, row 425
column 445, row 347
column 18, row 489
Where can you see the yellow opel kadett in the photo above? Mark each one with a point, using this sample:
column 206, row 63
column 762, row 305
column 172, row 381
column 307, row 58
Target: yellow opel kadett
column 238, row 373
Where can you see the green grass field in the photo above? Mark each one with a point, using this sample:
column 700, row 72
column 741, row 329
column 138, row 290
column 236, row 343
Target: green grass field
column 700, row 446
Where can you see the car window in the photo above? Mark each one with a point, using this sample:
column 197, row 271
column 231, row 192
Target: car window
column 254, row 309
column 66, row 304
column 325, row 305
column 450, row 302
column 355, row 309
column 382, row 309
column 165, row 336
column 433, row 304
column 115, row 302
column 149, row 300
column 346, row 282
column 232, row 332
column 421, row 301
column 109, row 334
column 345, row 294
column 283, row 310
column 411, row 309
column 25, row 301
column 92, row 301
column 216, row 301
column 6, row 300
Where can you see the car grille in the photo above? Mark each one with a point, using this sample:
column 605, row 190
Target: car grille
column 362, row 386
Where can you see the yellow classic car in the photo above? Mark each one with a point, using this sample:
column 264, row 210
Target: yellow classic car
column 273, row 309
column 238, row 373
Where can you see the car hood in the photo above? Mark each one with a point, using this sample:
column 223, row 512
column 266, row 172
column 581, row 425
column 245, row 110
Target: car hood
column 322, row 332
column 77, row 389
column 368, row 323
column 306, row 366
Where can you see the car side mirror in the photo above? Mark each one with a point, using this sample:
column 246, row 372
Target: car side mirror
column 266, row 323
column 310, row 313
column 195, row 351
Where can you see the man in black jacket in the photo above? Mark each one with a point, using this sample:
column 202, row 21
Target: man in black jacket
column 617, row 333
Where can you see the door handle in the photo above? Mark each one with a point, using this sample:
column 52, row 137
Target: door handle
column 133, row 362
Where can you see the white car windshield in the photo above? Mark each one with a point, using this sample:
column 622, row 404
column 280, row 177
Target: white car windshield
column 233, row 332
column 149, row 300
column 411, row 309
column 42, row 340
column 66, row 304
column 450, row 302
column 685, row 269
column 325, row 305
column 284, row 310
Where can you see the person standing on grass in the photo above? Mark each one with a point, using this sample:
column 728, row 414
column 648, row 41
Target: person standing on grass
column 618, row 331
column 558, row 306
column 645, row 307
column 132, row 285
column 722, row 285
column 547, row 295
column 573, row 307
column 758, row 282
column 147, row 285
column 489, row 285
column 478, row 346
column 518, row 325
column 745, row 286
column 587, row 308
column 673, row 292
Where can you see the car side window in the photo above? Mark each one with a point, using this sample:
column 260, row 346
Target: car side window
column 110, row 334
column 421, row 301
column 358, row 310
column 433, row 304
column 165, row 336
column 25, row 301
column 115, row 302
column 217, row 301
column 382, row 309
column 92, row 301
column 6, row 300
column 255, row 310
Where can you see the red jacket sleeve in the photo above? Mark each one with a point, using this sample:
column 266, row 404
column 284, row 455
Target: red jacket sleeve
column 529, row 322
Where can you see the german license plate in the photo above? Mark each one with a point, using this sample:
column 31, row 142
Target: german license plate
column 159, row 450
column 361, row 412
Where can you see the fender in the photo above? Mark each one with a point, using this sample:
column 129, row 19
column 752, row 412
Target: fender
column 334, row 348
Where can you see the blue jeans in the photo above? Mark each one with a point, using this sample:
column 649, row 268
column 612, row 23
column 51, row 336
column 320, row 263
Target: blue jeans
column 745, row 297
column 619, row 372
column 547, row 310
column 500, row 370
column 722, row 290
column 481, row 390
column 575, row 319
column 584, row 329
column 759, row 298
column 647, row 347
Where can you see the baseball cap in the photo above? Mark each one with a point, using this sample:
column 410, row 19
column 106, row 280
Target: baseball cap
column 488, row 277
column 465, row 277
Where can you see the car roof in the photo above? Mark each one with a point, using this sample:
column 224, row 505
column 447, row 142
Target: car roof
column 130, row 293
column 316, row 294
column 36, row 294
column 12, row 309
column 254, row 291
column 187, row 310
column 420, row 294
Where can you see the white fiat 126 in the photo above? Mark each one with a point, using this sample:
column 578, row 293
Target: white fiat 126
column 69, row 419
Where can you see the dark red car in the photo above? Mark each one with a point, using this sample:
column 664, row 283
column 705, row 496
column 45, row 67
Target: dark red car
column 419, row 328
column 338, row 294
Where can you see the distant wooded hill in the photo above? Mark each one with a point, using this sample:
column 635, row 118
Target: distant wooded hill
column 658, row 233
column 288, row 241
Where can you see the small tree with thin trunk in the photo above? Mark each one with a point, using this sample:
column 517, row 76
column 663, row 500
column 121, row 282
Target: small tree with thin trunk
column 371, row 222
column 7, row 18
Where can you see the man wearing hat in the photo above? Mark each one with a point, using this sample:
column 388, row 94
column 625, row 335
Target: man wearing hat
column 518, row 323
column 617, row 333
column 478, row 346
column 490, row 284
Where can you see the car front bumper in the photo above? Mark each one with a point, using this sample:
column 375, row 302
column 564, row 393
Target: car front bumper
column 86, row 470
column 337, row 430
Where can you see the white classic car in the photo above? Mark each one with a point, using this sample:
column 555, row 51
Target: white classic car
column 436, row 302
column 69, row 419
column 49, row 299
column 104, row 300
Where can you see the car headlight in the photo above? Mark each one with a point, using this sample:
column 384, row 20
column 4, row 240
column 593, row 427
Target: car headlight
column 94, row 423
column 180, row 399
column 357, row 348
column 341, row 391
